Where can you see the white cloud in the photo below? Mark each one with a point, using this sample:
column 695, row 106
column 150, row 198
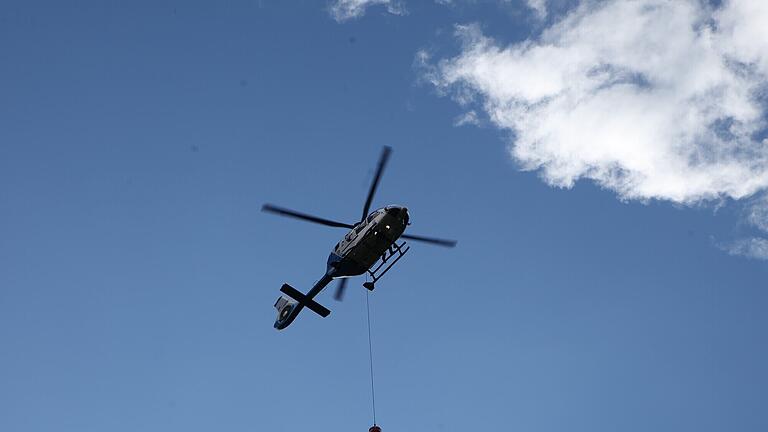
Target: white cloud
column 653, row 99
column 751, row 247
column 344, row 10
column 468, row 118
column 538, row 6
column 757, row 213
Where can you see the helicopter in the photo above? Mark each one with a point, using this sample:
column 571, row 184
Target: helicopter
column 372, row 240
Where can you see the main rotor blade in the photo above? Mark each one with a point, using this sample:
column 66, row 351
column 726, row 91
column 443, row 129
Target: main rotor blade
column 432, row 240
column 339, row 295
column 379, row 169
column 294, row 214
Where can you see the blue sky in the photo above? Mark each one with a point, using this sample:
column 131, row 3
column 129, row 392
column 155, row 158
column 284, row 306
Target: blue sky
column 139, row 141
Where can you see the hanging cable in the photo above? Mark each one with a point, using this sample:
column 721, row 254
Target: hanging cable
column 370, row 353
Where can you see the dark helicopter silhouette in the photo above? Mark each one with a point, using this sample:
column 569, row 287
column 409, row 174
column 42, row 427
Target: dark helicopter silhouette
column 370, row 241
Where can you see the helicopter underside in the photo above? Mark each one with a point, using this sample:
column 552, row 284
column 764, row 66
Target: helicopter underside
column 340, row 267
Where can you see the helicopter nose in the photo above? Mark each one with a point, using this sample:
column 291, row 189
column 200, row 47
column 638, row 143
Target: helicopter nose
column 399, row 212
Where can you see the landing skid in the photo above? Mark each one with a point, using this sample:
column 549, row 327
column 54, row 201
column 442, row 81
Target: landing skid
column 396, row 251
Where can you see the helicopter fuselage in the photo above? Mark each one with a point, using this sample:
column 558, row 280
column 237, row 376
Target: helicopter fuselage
column 367, row 241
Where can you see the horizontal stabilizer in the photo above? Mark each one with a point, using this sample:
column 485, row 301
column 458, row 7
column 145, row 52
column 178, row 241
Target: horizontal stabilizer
column 304, row 300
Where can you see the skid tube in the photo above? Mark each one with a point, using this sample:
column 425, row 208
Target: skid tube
column 397, row 251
